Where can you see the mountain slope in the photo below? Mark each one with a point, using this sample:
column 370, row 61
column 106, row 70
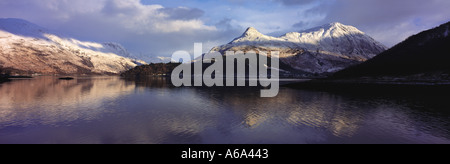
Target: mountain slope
column 422, row 56
column 28, row 48
column 325, row 49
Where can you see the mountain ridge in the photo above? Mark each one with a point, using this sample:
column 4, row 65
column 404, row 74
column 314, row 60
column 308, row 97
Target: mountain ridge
column 28, row 48
column 22, row 27
column 416, row 65
column 321, row 50
column 424, row 54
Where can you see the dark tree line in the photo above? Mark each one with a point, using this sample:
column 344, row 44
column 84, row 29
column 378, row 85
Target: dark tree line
column 158, row 69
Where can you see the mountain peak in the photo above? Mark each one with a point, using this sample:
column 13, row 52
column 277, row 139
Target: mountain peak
column 324, row 49
column 344, row 28
column 336, row 24
column 251, row 34
column 251, row 31
column 335, row 27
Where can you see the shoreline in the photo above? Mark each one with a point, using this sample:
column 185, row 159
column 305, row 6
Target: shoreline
column 375, row 86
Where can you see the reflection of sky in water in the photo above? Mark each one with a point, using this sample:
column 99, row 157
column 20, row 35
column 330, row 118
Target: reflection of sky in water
column 112, row 110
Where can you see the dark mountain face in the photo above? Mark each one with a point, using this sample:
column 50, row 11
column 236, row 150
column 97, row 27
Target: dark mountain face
column 425, row 53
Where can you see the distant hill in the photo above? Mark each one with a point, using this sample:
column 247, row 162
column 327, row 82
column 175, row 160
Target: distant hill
column 158, row 69
column 425, row 56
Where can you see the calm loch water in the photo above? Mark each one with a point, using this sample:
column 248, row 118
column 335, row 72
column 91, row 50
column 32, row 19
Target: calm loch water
column 113, row 110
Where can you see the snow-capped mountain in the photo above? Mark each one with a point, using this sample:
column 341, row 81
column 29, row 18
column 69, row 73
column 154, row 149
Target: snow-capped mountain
column 324, row 49
column 26, row 47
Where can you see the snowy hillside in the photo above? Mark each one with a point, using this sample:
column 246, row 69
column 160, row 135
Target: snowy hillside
column 325, row 49
column 26, row 47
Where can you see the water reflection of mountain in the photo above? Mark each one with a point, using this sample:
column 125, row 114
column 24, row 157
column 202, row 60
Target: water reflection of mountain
column 113, row 110
column 151, row 82
column 341, row 115
column 189, row 111
column 48, row 100
column 292, row 107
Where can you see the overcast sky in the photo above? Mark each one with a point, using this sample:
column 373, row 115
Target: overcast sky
column 161, row 27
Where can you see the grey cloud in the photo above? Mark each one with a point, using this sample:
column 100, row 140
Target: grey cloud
column 182, row 13
column 375, row 12
column 226, row 24
column 295, row 2
column 113, row 7
column 300, row 24
column 284, row 2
